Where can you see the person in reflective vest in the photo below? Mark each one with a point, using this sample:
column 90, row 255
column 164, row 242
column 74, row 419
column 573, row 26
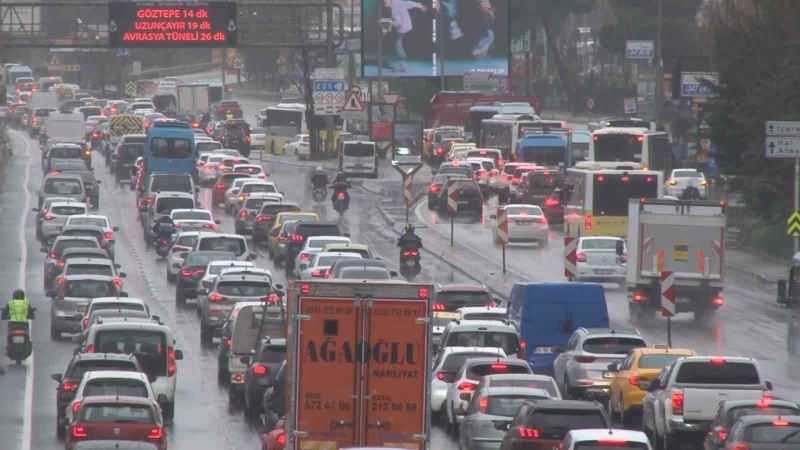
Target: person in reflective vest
column 18, row 311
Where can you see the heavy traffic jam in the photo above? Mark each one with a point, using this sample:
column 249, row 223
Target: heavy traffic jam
column 196, row 268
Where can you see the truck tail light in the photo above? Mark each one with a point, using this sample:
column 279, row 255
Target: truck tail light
column 171, row 367
column 259, row 370
column 438, row 307
column 528, row 433
column 677, row 402
column 305, row 289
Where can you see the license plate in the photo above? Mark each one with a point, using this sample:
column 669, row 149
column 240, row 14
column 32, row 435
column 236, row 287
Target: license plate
column 523, row 224
column 410, row 263
column 603, row 271
column 544, row 349
column 608, row 374
column 18, row 339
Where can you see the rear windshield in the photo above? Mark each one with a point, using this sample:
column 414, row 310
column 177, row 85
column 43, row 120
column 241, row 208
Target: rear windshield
column 479, row 371
column 191, row 215
column 150, row 347
column 362, row 273
column 89, row 269
column 236, row 246
column 359, row 150
column 255, row 203
column 171, row 147
column 657, row 361
column 42, row 112
column 318, row 244
column 555, row 423
column 452, row 300
column 327, row 261
column 186, row 241
column 325, row 230
column 123, row 306
column 454, row 361
column 545, row 385
column 167, row 204
column 599, row 244
column 483, row 316
column 249, row 169
column 88, row 233
column 228, row 179
column 115, row 386
column 768, row 433
column 772, row 410
column 602, row 445
column 205, row 146
column 89, row 221
column 273, row 354
column 215, row 269
column 202, row 259
column 686, row 174
column 509, row 342
column 68, row 210
column 118, row 413
column 62, row 245
column 82, row 367
column 440, row 136
column 65, row 152
column 257, row 187
column 612, row 345
column 62, row 187
column 711, row 372
column 506, row 405
column 171, row 183
column 130, row 152
column 243, row 289
column 88, row 288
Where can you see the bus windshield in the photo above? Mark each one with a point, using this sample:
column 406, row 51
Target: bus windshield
column 285, row 118
column 497, row 135
column 170, row 147
column 612, row 192
column 618, row 147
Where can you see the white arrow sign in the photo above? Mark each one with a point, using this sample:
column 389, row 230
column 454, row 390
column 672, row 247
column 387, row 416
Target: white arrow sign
column 782, row 147
column 782, row 128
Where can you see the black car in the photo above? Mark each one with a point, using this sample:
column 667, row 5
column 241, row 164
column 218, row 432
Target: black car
column 731, row 411
column 124, row 160
column 300, row 231
column 265, row 219
column 81, row 363
column 550, row 420
column 261, row 373
column 468, row 198
column 274, row 398
column 236, row 135
column 536, row 186
column 192, row 271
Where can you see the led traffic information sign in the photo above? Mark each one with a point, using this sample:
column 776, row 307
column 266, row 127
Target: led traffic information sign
column 201, row 24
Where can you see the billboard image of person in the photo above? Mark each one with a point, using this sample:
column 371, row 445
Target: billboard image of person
column 475, row 34
column 407, row 47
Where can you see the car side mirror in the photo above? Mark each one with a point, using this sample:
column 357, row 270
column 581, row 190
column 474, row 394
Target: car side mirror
column 279, row 287
column 466, row 396
column 50, row 293
column 178, row 355
column 123, row 294
column 196, row 190
column 768, row 384
column 346, row 234
column 36, row 210
column 56, row 377
column 620, row 248
column 44, row 250
column 393, row 274
column 115, row 228
column 123, row 275
column 218, row 222
column 653, row 385
column 493, row 216
column 782, row 288
column 245, row 360
column 77, row 317
column 97, row 181
column 156, row 318
column 644, row 384
column 202, row 291
column 613, row 367
column 176, row 265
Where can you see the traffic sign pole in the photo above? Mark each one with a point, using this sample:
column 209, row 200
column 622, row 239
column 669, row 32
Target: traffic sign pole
column 783, row 141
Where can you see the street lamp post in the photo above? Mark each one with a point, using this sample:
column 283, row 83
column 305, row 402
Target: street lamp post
column 384, row 27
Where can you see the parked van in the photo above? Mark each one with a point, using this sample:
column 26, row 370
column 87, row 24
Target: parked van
column 546, row 314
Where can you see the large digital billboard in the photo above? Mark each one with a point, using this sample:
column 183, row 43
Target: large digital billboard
column 474, row 36
column 198, row 24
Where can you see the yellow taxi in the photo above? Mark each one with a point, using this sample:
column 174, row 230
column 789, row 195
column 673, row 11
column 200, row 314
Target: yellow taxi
column 277, row 240
column 634, row 373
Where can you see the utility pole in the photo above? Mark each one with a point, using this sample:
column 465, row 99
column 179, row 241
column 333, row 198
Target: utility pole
column 659, row 94
column 440, row 30
column 329, row 123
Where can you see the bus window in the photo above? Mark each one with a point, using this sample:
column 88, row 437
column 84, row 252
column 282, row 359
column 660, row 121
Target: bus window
column 170, row 147
column 612, row 192
column 618, row 147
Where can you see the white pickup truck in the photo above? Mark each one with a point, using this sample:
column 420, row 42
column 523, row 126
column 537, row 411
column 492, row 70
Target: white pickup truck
column 682, row 401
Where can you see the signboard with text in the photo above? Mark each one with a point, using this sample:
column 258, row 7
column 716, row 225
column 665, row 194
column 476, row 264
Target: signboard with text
column 201, row 24
column 698, row 84
column 639, row 49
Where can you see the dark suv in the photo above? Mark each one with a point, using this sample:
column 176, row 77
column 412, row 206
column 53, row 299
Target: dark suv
column 536, row 186
column 81, row 363
column 302, row 230
column 261, row 373
column 542, row 424
column 236, row 135
column 468, row 198
column 193, row 269
column 265, row 219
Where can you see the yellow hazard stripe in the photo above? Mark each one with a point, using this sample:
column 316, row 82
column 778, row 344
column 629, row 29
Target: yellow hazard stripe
column 319, row 445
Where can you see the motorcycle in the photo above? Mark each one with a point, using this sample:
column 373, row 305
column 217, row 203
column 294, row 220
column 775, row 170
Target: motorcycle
column 410, row 265
column 341, row 201
column 690, row 193
column 163, row 244
column 319, row 194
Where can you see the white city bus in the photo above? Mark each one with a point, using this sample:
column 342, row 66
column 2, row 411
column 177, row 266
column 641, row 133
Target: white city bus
column 596, row 194
column 649, row 148
column 283, row 122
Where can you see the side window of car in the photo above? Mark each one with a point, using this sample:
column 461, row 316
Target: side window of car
column 473, row 403
column 627, row 363
column 519, row 418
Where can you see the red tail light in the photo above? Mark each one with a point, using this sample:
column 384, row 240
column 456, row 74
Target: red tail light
column 780, row 423
column 76, row 406
column 581, row 257
column 156, row 434
column 89, row 349
column 96, row 135
column 528, row 433
column 440, row 151
column 438, row 307
column 551, row 202
column 216, row 298
column 496, row 367
column 718, row 361
column 85, row 322
column 210, row 226
column 514, row 180
column 34, row 121
column 109, row 235
column 79, row 432
column 677, row 403
column 340, row 196
column 297, row 237
column 741, row 447
column 281, row 439
column 305, row 256
column 186, row 272
column 52, row 255
column 584, row 359
column 483, row 405
column 219, row 186
column 305, row 289
column 247, row 138
column 441, row 375
column 171, row 367
column 467, row 386
column 633, row 380
column 259, row 370
column 69, row 385
column 227, row 343
column 587, row 223
column 638, row 297
column 540, row 220
column 149, row 200
column 262, row 218
column 422, row 293
column 118, row 281
column 243, row 214
column 434, row 188
column 60, row 281
column 721, row 432
column 717, row 301
column 49, row 217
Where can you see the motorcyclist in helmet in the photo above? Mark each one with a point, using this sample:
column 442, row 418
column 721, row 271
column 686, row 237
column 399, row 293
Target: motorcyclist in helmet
column 18, row 311
column 340, row 184
column 163, row 227
column 409, row 240
column 319, row 178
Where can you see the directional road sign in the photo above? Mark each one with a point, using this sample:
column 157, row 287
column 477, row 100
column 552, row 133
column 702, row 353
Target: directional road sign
column 501, row 237
column 667, row 293
column 329, row 86
column 130, row 89
column 570, row 257
column 453, row 187
column 782, row 128
column 782, row 147
column 793, row 224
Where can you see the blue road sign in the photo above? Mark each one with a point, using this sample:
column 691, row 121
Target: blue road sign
column 329, row 86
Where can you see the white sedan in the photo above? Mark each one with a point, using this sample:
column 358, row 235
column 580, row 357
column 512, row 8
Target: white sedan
column 681, row 179
column 322, row 262
column 526, row 223
column 299, row 145
column 194, row 220
column 597, row 258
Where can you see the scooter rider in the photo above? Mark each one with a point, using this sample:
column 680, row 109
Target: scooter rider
column 409, row 240
column 164, row 227
column 319, row 178
column 340, row 184
column 18, row 311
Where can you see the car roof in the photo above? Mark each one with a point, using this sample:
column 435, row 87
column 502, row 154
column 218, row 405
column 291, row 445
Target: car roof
column 208, row 234
column 454, row 350
column 519, row 376
column 453, row 287
column 351, row 255
column 606, row 433
column 115, row 374
column 567, row 404
column 479, row 325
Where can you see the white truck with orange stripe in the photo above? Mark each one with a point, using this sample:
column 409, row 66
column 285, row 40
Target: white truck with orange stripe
column 684, row 239
column 359, row 363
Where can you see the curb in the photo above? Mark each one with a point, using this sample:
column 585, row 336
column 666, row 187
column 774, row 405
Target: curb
column 757, row 277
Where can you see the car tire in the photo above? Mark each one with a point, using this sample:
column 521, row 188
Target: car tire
column 168, row 411
column 170, row 277
column 431, row 205
column 252, row 410
column 60, row 431
column 233, row 396
column 206, row 335
column 54, row 333
column 180, row 299
column 221, row 378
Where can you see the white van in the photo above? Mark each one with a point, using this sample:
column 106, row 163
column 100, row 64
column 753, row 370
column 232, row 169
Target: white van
column 224, row 242
column 154, row 346
column 359, row 158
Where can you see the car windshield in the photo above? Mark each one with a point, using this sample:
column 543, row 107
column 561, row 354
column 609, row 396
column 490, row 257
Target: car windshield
column 167, row 204
column 523, row 382
column 508, row 341
column 243, row 289
column 599, row 244
column 555, row 422
column 658, row 361
column 68, row 210
column 88, row 221
column 88, row 288
column 62, row 186
column 89, row 269
column 778, row 432
column 65, row 152
column 524, row 211
column 118, row 413
column 236, row 246
column 452, row 300
column 81, row 367
column 454, row 361
column 171, row 147
column 202, row 259
column 612, row 345
column 717, row 372
column 687, row 174
column 150, row 347
column 115, row 386
column 506, row 405
column 191, row 215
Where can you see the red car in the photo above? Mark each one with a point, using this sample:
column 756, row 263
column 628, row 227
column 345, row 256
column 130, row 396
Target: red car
column 275, row 439
column 119, row 418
